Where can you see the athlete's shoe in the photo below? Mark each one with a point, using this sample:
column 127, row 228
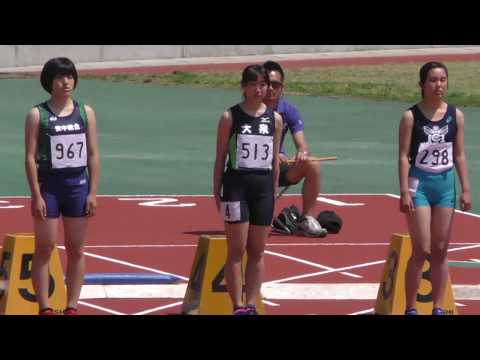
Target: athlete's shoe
column 241, row 310
column 47, row 311
column 70, row 311
column 438, row 311
column 411, row 312
column 309, row 226
column 252, row 309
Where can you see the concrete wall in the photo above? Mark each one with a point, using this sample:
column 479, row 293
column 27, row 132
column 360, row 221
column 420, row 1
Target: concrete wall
column 27, row 55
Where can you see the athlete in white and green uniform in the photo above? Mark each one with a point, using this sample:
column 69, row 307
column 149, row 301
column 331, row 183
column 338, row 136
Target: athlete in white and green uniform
column 248, row 191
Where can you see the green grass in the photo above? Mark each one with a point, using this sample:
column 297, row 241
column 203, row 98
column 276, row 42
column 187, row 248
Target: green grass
column 396, row 82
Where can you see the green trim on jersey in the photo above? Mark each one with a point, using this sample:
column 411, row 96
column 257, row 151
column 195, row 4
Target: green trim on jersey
column 43, row 150
column 232, row 152
column 83, row 113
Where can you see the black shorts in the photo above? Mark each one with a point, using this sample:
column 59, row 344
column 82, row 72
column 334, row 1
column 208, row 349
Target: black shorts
column 247, row 196
column 282, row 178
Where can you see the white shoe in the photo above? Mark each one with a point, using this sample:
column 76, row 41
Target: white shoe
column 309, row 226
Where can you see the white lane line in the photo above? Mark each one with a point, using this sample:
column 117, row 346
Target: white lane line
column 463, row 248
column 129, row 264
column 159, row 308
column 306, row 262
column 270, row 292
column 270, row 303
column 337, row 202
column 101, row 308
column 325, row 272
column 362, row 312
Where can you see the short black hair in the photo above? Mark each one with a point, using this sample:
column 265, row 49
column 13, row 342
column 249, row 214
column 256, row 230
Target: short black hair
column 252, row 72
column 54, row 67
column 274, row 66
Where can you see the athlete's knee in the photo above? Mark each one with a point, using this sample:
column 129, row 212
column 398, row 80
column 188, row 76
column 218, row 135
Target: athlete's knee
column 255, row 255
column 419, row 255
column 44, row 250
column 439, row 252
column 74, row 252
column 312, row 170
column 234, row 257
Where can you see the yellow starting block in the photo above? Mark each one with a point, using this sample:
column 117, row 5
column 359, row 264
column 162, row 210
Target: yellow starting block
column 17, row 296
column 391, row 292
column 207, row 291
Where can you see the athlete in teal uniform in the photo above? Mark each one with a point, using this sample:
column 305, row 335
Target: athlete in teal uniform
column 431, row 144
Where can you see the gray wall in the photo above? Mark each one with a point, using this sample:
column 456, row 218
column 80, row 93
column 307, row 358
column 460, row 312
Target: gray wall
column 27, row 55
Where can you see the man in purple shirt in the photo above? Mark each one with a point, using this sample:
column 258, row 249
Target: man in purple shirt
column 301, row 168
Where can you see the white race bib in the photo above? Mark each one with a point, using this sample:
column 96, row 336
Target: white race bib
column 230, row 210
column 435, row 157
column 254, row 151
column 68, row 151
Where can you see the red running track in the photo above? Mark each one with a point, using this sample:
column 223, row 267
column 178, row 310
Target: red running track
column 160, row 233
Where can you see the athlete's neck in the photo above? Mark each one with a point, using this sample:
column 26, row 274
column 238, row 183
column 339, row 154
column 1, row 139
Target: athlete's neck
column 271, row 104
column 61, row 105
column 432, row 104
column 253, row 108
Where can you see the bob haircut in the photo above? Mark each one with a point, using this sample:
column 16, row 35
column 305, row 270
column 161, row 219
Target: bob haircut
column 253, row 72
column 55, row 67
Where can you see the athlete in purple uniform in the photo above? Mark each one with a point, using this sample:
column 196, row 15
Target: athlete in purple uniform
column 302, row 168
column 60, row 145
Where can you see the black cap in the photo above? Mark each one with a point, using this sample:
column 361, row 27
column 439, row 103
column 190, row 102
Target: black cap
column 330, row 221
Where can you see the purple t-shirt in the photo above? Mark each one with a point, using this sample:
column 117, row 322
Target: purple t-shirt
column 291, row 120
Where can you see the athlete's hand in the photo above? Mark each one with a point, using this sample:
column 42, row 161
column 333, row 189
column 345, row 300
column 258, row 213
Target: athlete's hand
column 301, row 156
column 39, row 208
column 465, row 201
column 282, row 159
column 91, row 205
column 406, row 204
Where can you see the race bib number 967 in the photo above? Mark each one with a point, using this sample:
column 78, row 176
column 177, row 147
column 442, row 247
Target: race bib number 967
column 68, row 151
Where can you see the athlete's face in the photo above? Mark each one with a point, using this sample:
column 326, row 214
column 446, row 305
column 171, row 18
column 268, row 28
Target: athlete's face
column 275, row 90
column 436, row 83
column 63, row 85
column 256, row 89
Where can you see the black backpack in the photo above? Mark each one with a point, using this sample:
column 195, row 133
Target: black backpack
column 286, row 221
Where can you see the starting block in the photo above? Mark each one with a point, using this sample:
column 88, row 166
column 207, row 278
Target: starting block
column 206, row 292
column 17, row 296
column 391, row 298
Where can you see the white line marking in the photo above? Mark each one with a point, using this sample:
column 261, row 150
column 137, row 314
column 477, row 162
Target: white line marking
column 337, row 203
column 464, row 248
column 159, row 308
column 129, row 264
column 309, row 263
column 368, row 311
column 476, row 260
column 270, row 303
column 101, row 308
column 158, row 202
column 290, row 291
column 325, row 272
column 274, row 244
